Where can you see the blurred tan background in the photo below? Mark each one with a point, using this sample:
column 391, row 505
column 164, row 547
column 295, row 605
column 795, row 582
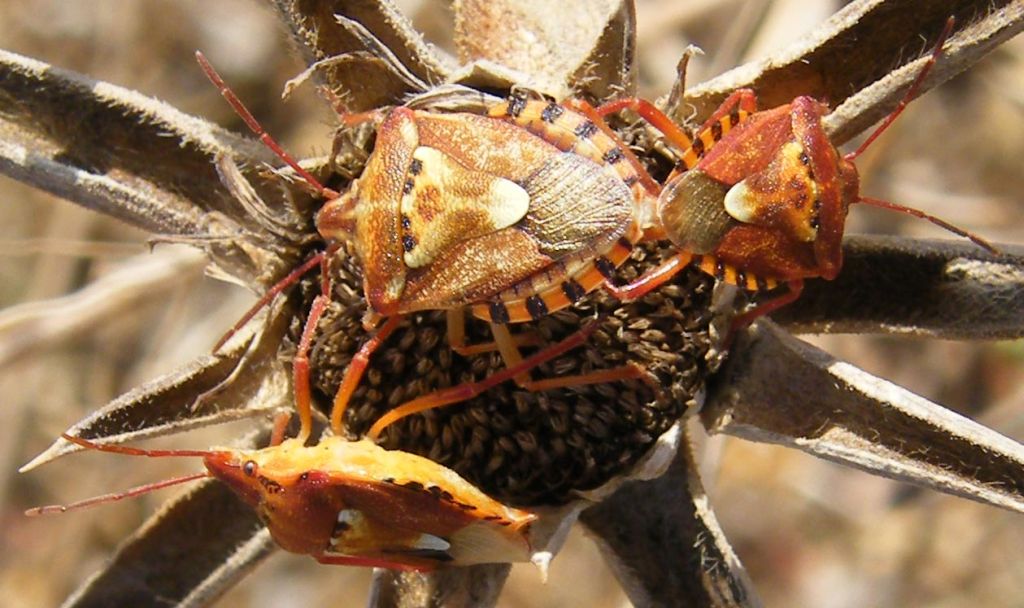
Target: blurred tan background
column 89, row 313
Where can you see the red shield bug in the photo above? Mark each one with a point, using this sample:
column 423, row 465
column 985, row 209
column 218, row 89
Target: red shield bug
column 760, row 198
column 354, row 503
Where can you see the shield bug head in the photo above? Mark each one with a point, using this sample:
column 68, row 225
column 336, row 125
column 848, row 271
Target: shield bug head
column 354, row 503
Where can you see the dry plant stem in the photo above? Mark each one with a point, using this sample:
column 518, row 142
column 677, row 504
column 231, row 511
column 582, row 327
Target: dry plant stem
column 835, row 411
column 942, row 289
column 315, row 26
column 132, row 157
column 163, row 405
column 563, row 49
column 36, row 325
column 648, row 525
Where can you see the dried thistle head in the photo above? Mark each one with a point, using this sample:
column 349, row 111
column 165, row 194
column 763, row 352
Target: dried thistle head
column 577, row 439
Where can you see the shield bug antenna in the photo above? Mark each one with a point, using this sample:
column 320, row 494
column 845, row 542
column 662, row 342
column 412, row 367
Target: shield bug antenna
column 352, row 503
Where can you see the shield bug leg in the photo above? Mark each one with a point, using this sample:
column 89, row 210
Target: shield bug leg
column 300, row 369
column 292, row 278
column 652, row 279
column 765, row 308
column 456, row 321
column 280, row 427
column 354, row 372
column 649, row 112
column 468, row 390
column 512, row 357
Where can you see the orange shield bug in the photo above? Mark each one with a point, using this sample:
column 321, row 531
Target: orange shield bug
column 757, row 198
column 355, row 503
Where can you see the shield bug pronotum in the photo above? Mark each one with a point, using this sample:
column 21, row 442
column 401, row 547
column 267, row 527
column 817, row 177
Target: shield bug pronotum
column 354, row 503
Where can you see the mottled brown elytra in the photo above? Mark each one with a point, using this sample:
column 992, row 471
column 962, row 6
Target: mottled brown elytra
column 353, row 503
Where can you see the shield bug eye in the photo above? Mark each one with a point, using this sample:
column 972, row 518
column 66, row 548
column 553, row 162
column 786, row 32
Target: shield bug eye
column 249, row 468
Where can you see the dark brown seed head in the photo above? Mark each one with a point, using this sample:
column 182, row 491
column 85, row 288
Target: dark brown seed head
column 529, row 448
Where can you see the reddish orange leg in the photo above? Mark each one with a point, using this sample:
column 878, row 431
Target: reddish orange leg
column 278, row 287
column 588, row 110
column 655, row 117
column 795, row 289
column 300, row 369
column 652, row 279
column 280, row 426
column 457, row 336
column 629, row 371
column 354, row 372
column 512, row 357
column 469, row 390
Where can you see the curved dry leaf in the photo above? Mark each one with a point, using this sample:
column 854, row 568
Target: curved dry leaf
column 609, row 70
column 663, row 542
column 211, row 537
column 370, row 80
column 470, row 587
column 941, row 289
column 561, row 49
column 860, row 45
column 244, row 381
column 777, row 389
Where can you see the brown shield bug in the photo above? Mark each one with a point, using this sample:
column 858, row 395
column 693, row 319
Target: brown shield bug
column 456, row 211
